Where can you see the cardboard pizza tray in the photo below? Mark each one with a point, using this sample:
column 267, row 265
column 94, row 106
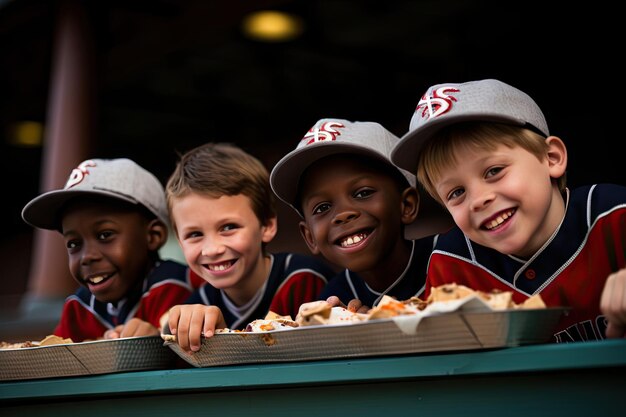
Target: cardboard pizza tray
column 463, row 325
column 86, row 358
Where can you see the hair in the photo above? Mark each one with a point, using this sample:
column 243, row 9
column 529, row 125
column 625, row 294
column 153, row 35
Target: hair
column 218, row 169
column 438, row 152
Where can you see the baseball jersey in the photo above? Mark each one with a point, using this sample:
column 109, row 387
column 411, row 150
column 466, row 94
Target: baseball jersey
column 569, row 271
column 294, row 279
column 85, row 318
column 347, row 285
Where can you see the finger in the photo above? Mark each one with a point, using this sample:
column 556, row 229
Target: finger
column 613, row 298
column 614, row 331
column 182, row 326
column 111, row 334
column 196, row 327
column 363, row 309
column 334, row 301
column 173, row 318
column 213, row 319
column 354, row 305
column 130, row 328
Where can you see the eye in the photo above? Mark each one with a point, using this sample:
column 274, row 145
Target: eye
column 456, row 193
column 493, row 171
column 192, row 235
column 72, row 245
column 229, row 227
column 364, row 193
column 321, row 208
column 105, row 235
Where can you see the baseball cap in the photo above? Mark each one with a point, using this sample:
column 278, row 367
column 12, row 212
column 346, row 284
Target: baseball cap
column 120, row 178
column 334, row 136
column 445, row 104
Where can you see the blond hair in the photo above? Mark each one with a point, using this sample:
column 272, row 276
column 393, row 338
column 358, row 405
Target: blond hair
column 222, row 169
column 439, row 152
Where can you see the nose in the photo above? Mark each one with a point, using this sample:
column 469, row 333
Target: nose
column 345, row 216
column 213, row 246
column 90, row 253
column 481, row 198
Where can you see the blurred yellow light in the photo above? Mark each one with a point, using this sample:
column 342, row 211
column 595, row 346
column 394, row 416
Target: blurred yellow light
column 272, row 26
column 26, row 133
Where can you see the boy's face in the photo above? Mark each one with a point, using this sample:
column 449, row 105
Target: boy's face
column 504, row 198
column 108, row 247
column 352, row 212
column 221, row 239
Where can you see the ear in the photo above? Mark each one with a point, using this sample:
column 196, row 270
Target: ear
column 556, row 156
column 269, row 229
column 308, row 237
column 157, row 234
column 410, row 205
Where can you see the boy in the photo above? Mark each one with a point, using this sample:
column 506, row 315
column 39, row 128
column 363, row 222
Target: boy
column 483, row 150
column 223, row 213
column 355, row 206
column 113, row 217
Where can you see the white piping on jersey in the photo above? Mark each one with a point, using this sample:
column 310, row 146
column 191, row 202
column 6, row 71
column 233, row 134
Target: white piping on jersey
column 91, row 309
column 393, row 284
column 242, row 312
column 590, row 227
column 547, row 282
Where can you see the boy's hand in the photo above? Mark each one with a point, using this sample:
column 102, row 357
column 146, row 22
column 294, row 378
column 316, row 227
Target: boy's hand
column 133, row 328
column 355, row 305
column 190, row 322
column 613, row 304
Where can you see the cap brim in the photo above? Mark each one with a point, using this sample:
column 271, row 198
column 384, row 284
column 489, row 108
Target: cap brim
column 405, row 153
column 43, row 211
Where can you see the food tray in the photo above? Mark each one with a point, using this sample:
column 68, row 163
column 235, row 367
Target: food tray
column 457, row 326
column 86, row 358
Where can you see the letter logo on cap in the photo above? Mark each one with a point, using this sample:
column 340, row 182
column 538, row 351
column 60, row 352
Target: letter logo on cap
column 327, row 131
column 78, row 174
column 439, row 103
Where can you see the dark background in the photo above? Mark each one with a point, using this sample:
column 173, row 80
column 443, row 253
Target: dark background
column 175, row 74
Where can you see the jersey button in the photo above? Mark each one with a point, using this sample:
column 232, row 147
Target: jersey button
column 530, row 274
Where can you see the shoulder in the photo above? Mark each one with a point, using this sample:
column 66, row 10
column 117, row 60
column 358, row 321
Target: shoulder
column 295, row 262
column 597, row 200
column 169, row 270
column 452, row 241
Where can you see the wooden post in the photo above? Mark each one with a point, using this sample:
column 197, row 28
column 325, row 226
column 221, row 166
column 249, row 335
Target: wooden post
column 68, row 135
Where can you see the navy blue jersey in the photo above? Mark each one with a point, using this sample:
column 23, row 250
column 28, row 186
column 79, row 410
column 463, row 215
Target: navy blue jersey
column 294, row 279
column 569, row 271
column 347, row 285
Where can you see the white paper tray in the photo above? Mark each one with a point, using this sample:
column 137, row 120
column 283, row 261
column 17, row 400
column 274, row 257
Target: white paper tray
column 86, row 358
column 469, row 327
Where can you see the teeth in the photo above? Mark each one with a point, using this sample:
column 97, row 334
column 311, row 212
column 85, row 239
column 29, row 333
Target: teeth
column 353, row 240
column 220, row 267
column 499, row 220
column 96, row 280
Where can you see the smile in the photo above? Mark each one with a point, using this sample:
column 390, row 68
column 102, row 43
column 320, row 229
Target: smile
column 98, row 279
column 221, row 266
column 352, row 240
column 499, row 220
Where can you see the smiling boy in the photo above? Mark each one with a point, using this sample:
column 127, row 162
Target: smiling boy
column 484, row 151
column 223, row 212
column 358, row 210
column 113, row 217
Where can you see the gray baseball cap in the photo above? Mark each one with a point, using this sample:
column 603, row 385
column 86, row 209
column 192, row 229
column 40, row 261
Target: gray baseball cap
column 333, row 136
column 121, row 178
column 445, row 104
